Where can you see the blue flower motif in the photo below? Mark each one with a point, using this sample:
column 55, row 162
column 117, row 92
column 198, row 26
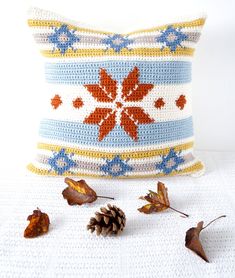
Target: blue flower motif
column 63, row 38
column 116, row 167
column 61, row 162
column 169, row 162
column 117, row 42
column 172, row 38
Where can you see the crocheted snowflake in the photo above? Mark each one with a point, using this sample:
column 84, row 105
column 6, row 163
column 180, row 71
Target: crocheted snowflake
column 61, row 162
column 172, row 37
column 119, row 104
column 63, row 38
column 117, row 42
column 116, row 167
column 169, row 162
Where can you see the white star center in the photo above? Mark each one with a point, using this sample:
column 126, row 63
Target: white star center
column 117, row 41
column 60, row 162
column 171, row 37
column 170, row 163
column 116, row 168
column 63, row 38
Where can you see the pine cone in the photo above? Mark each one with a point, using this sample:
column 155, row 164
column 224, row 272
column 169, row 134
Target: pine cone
column 109, row 221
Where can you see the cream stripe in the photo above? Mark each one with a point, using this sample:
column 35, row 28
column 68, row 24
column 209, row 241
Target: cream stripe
column 40, row 165
column 87, row 46
column 115, row 150
column 124, row 155
column 45, row 47
column 100, row 160
column 192, row 29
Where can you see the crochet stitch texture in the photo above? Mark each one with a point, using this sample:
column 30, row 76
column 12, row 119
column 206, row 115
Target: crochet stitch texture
column 119, row 105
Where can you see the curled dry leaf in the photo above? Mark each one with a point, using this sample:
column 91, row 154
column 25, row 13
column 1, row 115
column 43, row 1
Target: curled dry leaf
column 158, row 201
column 192, row 240
column 39, row 224
column 79, row 192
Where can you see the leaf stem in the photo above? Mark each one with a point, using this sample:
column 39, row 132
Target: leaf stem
column 152, row 192
column 213, row 221
column 186, row 215
column 111, row 198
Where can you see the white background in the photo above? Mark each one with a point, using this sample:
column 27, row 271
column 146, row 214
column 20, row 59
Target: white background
column 22, row 66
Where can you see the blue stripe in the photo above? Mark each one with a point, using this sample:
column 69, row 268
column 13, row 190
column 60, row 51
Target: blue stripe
column 154, row 72
column 80, row 133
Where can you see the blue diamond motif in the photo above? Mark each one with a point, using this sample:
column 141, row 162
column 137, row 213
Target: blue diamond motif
column 116, row 167
column 169, row 162
column 63, row 38
column 117, row 42
column 172, row 37
column 61, row 162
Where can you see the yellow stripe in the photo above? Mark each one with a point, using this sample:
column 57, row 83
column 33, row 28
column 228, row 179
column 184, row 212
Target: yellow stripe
column 54, row 23
column 198, row 166
column 125, row 155
column 150, row 52
column 194, row 23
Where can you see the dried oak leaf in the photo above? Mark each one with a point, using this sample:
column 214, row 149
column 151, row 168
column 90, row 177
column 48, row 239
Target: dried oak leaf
column 78, row 192
column 192, row 240
column 157, row 201
column 39, row 224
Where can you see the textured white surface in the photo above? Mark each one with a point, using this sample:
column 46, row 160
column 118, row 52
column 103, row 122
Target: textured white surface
column 150, row 246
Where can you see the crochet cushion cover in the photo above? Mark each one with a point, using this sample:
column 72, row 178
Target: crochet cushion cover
column 119, row 105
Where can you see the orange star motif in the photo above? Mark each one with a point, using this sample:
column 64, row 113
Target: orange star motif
column 117, row 104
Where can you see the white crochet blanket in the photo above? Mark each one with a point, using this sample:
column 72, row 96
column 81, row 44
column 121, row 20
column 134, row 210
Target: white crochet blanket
column 150, row 246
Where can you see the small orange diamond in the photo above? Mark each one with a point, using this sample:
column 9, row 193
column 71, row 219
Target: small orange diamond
column 180, row 102
column 159, row 103
column 77, row 103
column 56, row 101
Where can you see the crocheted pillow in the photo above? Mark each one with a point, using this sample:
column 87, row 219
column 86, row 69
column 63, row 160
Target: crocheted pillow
column 119, row 105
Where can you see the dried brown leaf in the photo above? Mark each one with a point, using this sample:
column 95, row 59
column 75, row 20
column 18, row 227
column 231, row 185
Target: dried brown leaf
column 193, row 243
column 39, row 224
column 78, row 192
column 158, row 201
column 192, row 240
